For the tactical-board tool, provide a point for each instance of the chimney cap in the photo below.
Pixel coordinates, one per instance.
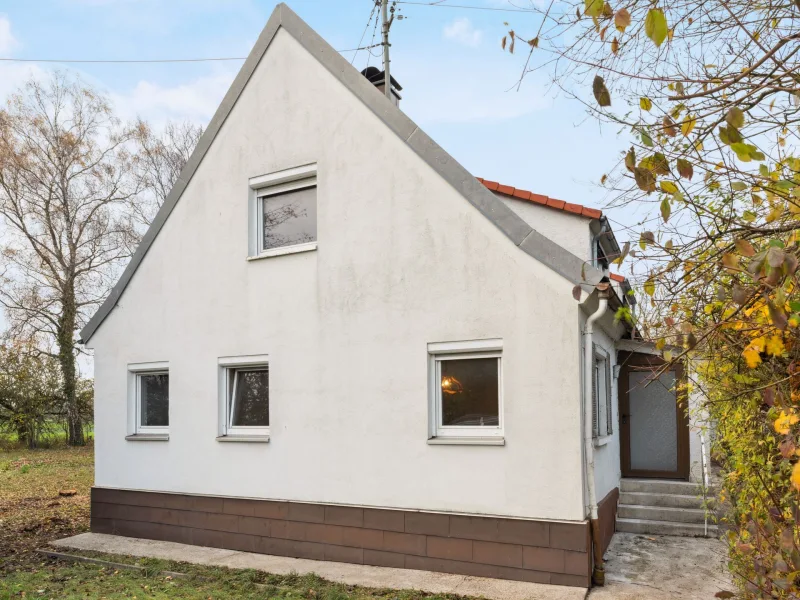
(376, 76)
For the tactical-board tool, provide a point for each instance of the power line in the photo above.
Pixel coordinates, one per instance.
(114, 61)
(438, 5)
(147, 61)
(366, 27)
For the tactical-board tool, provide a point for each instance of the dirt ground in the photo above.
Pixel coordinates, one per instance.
(44, 495)
(641, 567)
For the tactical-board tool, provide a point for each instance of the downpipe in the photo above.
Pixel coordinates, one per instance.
(598, 574)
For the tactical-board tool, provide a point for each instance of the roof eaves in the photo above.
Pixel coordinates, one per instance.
(477, 193)
(575, 209)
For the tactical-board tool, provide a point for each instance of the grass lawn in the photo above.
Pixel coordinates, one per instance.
(32, 513)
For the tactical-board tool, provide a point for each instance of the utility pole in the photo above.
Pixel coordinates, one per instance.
(386, 23)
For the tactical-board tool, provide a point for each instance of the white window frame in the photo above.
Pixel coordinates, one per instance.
(464, 350)
(272, 184)
(603, 426)
(135, 428)
(227, 369)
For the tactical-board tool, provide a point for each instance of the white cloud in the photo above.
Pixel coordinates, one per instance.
(7, 40)
(194, 100)
(462, 31)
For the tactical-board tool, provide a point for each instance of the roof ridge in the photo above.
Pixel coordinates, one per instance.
(527, 195)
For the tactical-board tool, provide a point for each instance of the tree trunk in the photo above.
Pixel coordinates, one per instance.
(66, 358)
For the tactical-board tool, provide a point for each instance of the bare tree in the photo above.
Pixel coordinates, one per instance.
(67, 176)
(161, 159)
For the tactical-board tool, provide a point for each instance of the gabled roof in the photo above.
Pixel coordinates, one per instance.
(519, 194)
(514, 227)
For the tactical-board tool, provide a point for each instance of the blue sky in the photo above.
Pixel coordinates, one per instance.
(449, 61)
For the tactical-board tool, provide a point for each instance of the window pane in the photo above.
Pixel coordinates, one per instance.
(154, 400)
(290, 218)
(470, 392)
(601, 393)
(251, 404)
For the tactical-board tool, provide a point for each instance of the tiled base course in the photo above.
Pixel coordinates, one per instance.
(607, 514)
(518, 549)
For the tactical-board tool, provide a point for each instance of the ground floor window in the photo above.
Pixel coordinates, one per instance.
(465, 393)
(601, 393)
(148, 399)
(244, 397)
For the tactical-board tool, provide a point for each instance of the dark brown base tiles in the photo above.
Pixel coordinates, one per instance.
(519, 549)
(607, 515)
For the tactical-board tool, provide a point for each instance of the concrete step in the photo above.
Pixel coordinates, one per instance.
(661, 513)
(660, 486)
(672, 500)
(665, 528)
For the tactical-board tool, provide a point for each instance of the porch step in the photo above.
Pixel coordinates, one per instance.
(662, 513)
(646, 526)
(662, 507)
(670, 500)
(660, 486)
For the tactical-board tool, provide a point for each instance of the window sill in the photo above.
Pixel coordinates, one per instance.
(467, 441)
(601, 441)
(148, 437)
(257, 439)
(297, 248)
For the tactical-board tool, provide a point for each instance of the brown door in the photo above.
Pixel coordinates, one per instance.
(654, 423)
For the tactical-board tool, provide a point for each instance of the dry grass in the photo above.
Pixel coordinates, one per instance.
(32, 510)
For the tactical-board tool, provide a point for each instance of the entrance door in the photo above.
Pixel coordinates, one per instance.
(654, 428)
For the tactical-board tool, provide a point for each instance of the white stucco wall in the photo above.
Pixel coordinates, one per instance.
(568, 230)
(607, 467)
(403, 260)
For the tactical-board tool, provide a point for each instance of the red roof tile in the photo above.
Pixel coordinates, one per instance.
(575, 209)
(505, 189)
(617, 278)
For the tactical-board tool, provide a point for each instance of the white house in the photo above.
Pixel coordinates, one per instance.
(336, 343)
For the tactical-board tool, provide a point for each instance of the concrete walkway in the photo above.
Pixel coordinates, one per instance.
(367, 576)
(642, 567)
(638, 567)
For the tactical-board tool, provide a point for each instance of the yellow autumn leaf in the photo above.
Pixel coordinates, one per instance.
(669, 187)
(645, 103)
(759, 344)
(775, 346)
(783, 424)
(688, 125)
(774, 214)
(796, 476)
(752, 357)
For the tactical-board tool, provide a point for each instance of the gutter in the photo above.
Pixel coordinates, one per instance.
(598, 575)
(605, 231)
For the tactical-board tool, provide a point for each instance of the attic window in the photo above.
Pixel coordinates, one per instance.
(283, 212)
